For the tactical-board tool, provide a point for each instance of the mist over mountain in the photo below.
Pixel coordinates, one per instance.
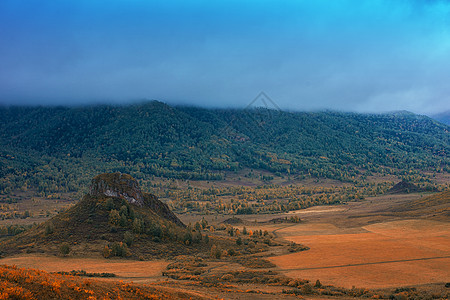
(443, 117)
(363, 56)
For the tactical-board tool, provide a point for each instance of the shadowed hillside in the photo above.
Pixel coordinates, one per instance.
(404, 187)
(114, 219)
(436, 206)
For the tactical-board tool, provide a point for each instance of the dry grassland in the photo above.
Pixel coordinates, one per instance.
(390, 254)
(127, 270)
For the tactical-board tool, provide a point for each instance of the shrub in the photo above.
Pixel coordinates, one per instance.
(187, 238)
(106, 252)
(119, 249)
(128, 238)
(123, 220)
(49, 229)
(216, 252)
(114, 217)
(138, 226)
(307, 289)
(318, 284)
(124, 210)
(64, 249)
(109, 204)
(115, 249)
(227, 277)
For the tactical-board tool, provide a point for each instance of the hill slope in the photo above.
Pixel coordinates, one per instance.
(16, 283)
(436, 206)
(60, 148)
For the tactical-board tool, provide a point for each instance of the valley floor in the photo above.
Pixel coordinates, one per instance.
(366, 244)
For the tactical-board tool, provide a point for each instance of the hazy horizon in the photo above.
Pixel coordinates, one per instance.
(346, 55)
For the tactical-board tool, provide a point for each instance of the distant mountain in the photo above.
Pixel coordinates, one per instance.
(443, 117)
(61, 148)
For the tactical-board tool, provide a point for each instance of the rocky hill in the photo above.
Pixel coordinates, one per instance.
(125, 187)
(114, 219)
(404, 187)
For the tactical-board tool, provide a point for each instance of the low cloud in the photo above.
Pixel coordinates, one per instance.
(369, 55)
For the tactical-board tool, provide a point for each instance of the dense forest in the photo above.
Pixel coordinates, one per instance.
(58, 149)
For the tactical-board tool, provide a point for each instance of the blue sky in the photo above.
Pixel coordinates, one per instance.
(351, 55)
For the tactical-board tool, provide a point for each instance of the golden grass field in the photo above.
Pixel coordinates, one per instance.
(389, 254)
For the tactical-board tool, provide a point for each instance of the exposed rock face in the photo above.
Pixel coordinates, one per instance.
(117, 185)
(126, 187)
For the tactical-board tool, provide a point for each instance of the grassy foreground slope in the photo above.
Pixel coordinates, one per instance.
(58, 149)
(17, 283)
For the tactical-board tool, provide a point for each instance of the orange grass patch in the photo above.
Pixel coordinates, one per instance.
(389, 254)
(134, 270)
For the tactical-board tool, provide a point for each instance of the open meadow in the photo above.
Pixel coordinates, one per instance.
(391, 254)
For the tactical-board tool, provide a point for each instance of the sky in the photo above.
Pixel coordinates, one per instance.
(347, 55)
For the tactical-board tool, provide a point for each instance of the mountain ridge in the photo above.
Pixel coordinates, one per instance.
(155, 139)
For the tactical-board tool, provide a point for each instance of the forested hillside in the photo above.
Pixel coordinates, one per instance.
(61, 148)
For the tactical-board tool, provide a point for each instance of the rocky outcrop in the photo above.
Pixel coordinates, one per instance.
(124, 186)
(117, 185)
